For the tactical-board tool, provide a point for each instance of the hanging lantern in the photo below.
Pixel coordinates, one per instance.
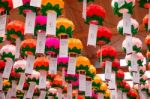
(52, 92)
(62, 63)
(134, 27)
(144, 4)
(145, 22)
(95, 14)
(104, 35)
(64, 27)
(107, 53)
(91, 72)
(75, 46)
(2, 38)
(147, 42)
(107, 94)
(6, 85)
(52, 6)
(140, 59)
(50, 77)
(14, 76)
(97, 81)
(120, 75)
(6, 6)
(71, 77)
(122, 7)
(40, 24)
(15, 29)
(8, 52)
(126, 87)
(26, 7)
(82, 63)
(103, 87)
(57, 83)
(28, 47)
(19, 66)
(41, 64)
(52, 46)
(137, 45)
(36, 93)
(2, 66)
(132, 94)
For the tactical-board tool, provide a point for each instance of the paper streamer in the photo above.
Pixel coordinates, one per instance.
(119, 94)
(82, 81)
(1, 82)
(121, 3)
(125, 95)
(7, 69)
(8, 95)
(72, 65)
(2, 95)
(31, 90)
(112, 82)
(143, 95)
(108, 70)
(113, 94)
(17, 3)
(29, 67)
(126, 23)
(69, 91)
(42, 81)
(25, 94)
(59, 94)
(84, 9)
(129, 44)
(53, 65)
(149, 19)
(136, 77)
(36, 3)
(88, 91)
(42, 95)
(3, 19)
(63, 49)
(50, 97)
(18, 42)
(40, 45)
(51, 23)
(13, 91)
(92, 36)
(100, 96)
(21, 81)
(134, 64)
(30, 23)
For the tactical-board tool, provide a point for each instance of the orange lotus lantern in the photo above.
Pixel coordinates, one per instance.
(147, 42)
(144, 3)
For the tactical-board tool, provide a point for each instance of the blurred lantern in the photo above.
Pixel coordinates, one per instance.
(120, 75)
(144, 3)
(6, 6)
(145, 22)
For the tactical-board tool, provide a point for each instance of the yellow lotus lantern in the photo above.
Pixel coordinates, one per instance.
(103, 87)
(75, 46)
(52, 6)
(107, 93)
(97, 81)
(91, 71)
(82, 63)
(64, 27)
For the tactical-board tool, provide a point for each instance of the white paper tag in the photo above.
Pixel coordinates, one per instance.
(82, 82)
(60, 94)
(3, 19)
(134, 64)
(84, 9)
(88, 91)
(7, 69)
(126, 23)
(2, 95)
(121, 3)
(112, 82)
(40, 45)
(69, 91)
(72, 65)
(136, 77)
(92, 35)
(13, 91)
(31, 90)
(29, 67)
(53, 65)
(63, 49)
(143, 95)
(36, 3)
(108, 70)
(51, 23)
(42, 80)
(21, 81)
(113, 94)
(129, 44)
(149, 19)
(119, 94)
(1, 83)
(100, 96)
(30, 23)
(18, 42)
(63, 76)
(125, 95)
(8, 95)
(42, 95)
(17, 3)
